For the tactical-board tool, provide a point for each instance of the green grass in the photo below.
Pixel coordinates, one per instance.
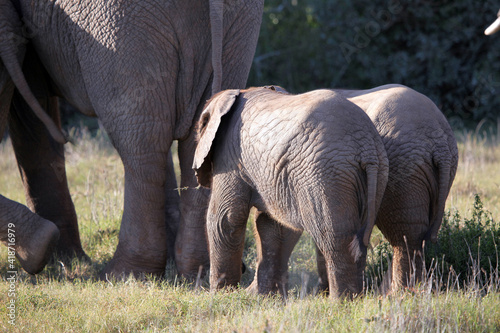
(70, 299)
(130, 306)
(478, 173)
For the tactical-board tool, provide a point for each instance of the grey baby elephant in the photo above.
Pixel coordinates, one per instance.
(311, 162)
(423, 158)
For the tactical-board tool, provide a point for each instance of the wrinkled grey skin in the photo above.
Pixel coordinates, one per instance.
(310, 162)
(27, 235)
(423, 159)
(145, 69)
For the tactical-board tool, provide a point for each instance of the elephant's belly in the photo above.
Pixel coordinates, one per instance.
(82, 105)
(55, 41)
(284, 214)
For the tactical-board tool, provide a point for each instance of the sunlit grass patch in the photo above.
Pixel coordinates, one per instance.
(478, 173)
(69, 298)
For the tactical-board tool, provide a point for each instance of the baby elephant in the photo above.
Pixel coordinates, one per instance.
(311, 162)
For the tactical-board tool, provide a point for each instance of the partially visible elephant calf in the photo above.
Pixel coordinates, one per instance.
(423, 158)
(311, 162)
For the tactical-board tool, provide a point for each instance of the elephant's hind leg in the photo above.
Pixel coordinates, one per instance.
(275, 243)
(406, 235)
(407, 262)
(143, 142)
(344, 272)
(343, 259)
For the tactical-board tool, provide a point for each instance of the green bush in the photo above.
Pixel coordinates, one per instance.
(467, 246)
(467, 250)
(434, 46)
(377, 264)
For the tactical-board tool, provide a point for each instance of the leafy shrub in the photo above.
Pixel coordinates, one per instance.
(377, 264)
(467, 248)
(434, 46)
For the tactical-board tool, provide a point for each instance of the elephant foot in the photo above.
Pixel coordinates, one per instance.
(66, 255)
(267, 288)
(253, 288)
(121, 267)
(188, 262)
(69, 246)
(34, 255)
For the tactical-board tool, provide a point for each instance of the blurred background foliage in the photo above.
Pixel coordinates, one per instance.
(437, 47)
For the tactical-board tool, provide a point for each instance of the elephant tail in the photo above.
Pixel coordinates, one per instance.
(373, 182)
(216, 30)
(10, 39)
(19, 80)
(375, 178)
(444, 185)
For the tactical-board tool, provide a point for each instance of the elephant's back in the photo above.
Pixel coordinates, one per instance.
(399, 110)
(311, 125)
(302, 149)
(411, 126)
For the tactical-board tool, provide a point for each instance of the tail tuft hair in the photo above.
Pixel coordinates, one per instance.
(357, 247)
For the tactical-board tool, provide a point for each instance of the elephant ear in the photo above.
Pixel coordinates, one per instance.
(210, 120)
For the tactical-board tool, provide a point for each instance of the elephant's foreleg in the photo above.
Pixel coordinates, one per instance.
(275, 244)
(43, 171)
(26, 234)
(226, 225)
(191, 248)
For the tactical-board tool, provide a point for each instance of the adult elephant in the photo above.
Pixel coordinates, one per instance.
(145, 69)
